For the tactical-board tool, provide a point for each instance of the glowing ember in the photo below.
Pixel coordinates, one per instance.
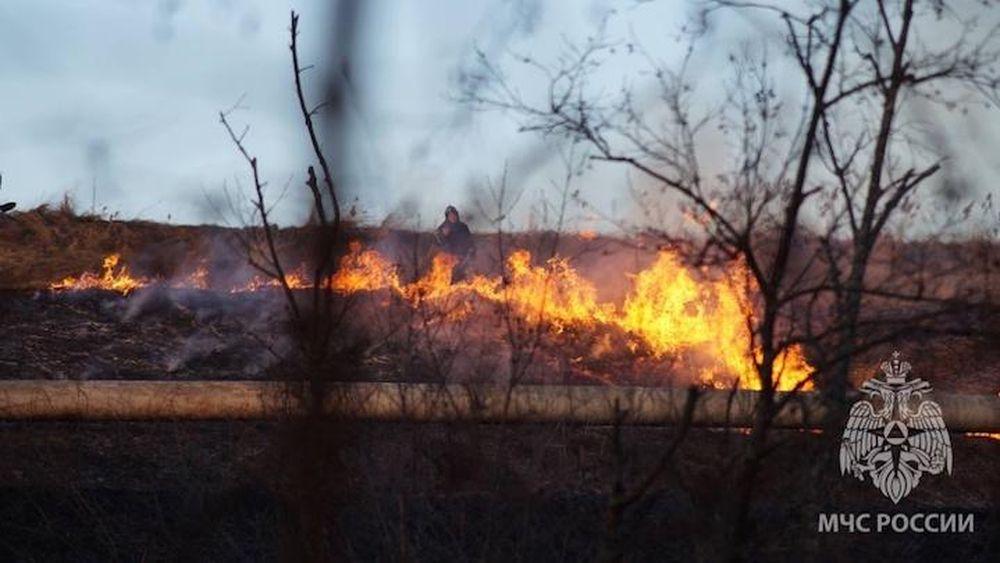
(295, 280)
(111, 278)
(197, 279)
(991, 436)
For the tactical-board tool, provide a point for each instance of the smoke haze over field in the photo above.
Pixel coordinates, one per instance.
(115, 103)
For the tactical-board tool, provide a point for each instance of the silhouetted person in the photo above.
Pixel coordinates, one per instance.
(455, 238)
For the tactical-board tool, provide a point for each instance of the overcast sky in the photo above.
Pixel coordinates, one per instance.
(120, 99)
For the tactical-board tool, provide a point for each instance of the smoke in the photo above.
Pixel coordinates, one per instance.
(494, 34)
(103, 187)
(163, 23)
(245, 326)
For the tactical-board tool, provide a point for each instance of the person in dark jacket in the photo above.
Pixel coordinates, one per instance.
(455, 238)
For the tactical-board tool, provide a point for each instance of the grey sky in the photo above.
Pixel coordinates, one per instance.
(124, 95)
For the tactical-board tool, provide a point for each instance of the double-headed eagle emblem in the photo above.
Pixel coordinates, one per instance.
(890, 441)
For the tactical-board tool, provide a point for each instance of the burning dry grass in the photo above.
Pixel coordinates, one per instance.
(111, 278)
(671, 312)
(46, 244)
(596, 320)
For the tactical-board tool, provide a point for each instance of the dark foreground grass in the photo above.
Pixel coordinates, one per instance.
(219, 491)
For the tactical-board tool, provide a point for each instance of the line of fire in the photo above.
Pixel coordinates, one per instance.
(704, 280)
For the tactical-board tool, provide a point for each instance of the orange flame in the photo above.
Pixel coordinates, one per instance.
(111, 278)
(672, 312)
(435, 284)
(668, 310)
(364, 271)
(554, 293)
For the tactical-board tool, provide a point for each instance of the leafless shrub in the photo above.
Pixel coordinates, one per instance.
(316, 320)
(859, 168)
